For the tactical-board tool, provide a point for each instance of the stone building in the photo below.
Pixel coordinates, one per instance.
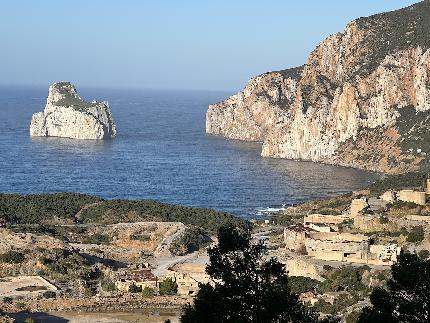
(323, 223)
(124, 278)
(354, 248)
(188, 276)
(337, 246)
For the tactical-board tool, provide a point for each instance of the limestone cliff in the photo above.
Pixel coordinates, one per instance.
(360, 100)
(67, 115)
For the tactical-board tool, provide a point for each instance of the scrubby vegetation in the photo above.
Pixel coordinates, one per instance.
(42, 208)
(399, 181)
(108, 285)
(134, 288)
(97, 238)
(148, 292)
(347, 278)
(393, 31)
(12, 257)
(300, 284)
(406, 297)
(49, 294)
(168, 287)
(41, 212)
(192, 240)
(416, 234)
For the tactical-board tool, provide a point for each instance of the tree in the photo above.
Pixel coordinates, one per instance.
(134, 288)
(168, 287)
(407, 297)
(247, 287)
(49, 294)
(416, 234)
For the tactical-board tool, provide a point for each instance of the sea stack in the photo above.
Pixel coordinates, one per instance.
(67, 115)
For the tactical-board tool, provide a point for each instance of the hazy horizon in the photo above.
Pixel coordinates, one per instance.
(190, 45)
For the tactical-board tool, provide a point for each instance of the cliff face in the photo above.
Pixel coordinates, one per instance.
(357, 101)
(67, 115)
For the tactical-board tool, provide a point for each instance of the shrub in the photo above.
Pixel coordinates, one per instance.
(148, 292)
(7, 300)
(416, 234)
(49, 294)
(97, 238)
(403, 231)
(299, 284)
(327, 267)
(168, 287)
(134, 289)
(107, 285)
(20, 305)
(352, 317)
(302, 250)
(12, 257)
(383, 220)
(424, 254)
(346, 278)
(192, 240)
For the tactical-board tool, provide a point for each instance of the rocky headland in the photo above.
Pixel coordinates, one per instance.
(362, 99)
(67, 115)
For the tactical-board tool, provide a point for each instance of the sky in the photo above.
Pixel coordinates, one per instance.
(187, 44)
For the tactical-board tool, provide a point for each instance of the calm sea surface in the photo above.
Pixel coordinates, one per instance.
(161, 152)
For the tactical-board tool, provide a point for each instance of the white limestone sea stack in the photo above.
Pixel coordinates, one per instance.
(67, 115)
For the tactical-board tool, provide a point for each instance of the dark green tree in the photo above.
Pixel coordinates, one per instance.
(134, 288)
(168, 287)
(407, 297)
(247, 287)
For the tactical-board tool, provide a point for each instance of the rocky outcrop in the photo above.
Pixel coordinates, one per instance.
(357, 101)
(67, 115)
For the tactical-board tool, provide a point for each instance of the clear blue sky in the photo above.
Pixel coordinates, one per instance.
(188, 44)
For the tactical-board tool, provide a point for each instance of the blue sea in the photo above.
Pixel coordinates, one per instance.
(161, 152)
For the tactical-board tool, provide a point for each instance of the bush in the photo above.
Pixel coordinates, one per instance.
(168, 287)
(107, 285)
(299, 284)
(148, 292)
(134, 289)
(192, 240)
(424, 254)
(352, 317)
(7, 300)
(20, 306)
(383, 220)
(12, 257)
(97, 238)
(49, 294)
(416, 234)
(347, 278)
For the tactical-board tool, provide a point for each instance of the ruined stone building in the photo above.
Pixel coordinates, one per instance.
(124, 278)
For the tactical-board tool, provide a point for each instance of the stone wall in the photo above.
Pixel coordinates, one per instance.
(358, 205)
(301, 267)
(412, 196)
(294, 238)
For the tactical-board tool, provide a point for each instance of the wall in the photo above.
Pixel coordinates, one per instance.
(412, 196)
